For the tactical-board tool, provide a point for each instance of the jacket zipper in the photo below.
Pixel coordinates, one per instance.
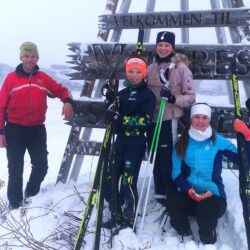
(30, 90)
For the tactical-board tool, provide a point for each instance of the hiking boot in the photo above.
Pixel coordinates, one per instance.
(161, 201)
(126, 222)
(111, 223)
(13, 206)
(186, 237)
(208, 238)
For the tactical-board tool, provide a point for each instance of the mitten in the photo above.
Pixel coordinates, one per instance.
(166, 94)
(241, 127)
(108, 92)
(112, 116)
(198, 197)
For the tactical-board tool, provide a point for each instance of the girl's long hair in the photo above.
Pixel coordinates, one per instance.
(182, 143)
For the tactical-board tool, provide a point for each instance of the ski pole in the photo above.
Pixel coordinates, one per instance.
(148, 164)
(152, 164)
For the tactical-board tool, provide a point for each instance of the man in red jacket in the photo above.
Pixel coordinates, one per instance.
(23, 104)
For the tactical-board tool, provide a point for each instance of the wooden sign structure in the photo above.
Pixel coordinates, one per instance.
(101, 60)
(177, 19)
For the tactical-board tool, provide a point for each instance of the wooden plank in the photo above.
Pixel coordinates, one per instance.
(177, 19)
(89, 148)
(207, 61)
(91, 114)
(93, 148)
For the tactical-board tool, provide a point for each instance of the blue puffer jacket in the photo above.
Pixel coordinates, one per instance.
(203, 165)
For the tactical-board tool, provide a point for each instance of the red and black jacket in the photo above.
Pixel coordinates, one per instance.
(23, 97)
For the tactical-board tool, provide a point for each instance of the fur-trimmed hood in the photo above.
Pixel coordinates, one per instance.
(179, 57)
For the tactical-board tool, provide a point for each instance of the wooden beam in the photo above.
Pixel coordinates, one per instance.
(177, 19)
(92, 114)
(101, 60)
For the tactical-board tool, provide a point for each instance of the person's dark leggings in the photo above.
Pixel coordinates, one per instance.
(126, 166)
(207, 213)
(19, 138)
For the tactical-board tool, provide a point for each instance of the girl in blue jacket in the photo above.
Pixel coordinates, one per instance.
(197, 167)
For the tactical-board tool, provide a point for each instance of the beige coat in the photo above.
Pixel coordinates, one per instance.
(180, 83)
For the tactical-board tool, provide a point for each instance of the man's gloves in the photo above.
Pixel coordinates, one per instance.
(198, 197)
(166, 94)
(241, 127)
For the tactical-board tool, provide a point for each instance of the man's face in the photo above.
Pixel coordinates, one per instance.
(29, 62)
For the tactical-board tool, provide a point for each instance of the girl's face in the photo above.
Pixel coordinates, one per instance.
(163, 49)
(200, 122)
(135, 75)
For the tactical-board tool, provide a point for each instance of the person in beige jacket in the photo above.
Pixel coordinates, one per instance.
(170, 78)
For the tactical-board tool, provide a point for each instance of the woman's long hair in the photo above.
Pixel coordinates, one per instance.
(182, 143)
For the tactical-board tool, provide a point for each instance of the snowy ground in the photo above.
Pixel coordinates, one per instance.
(44, 220)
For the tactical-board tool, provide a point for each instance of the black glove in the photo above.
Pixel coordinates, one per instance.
(166, 94)
(112, 116)
(108, 93)
(248, 104)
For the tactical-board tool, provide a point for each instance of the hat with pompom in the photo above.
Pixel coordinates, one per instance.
(28, 48)
(166, 36)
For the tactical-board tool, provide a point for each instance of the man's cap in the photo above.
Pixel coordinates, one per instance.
(28, 48)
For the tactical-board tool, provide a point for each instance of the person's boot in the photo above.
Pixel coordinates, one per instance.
(13, 206)
(114, 221)
(186, 236)
(208, 237)
(111, 223)
(127, 222)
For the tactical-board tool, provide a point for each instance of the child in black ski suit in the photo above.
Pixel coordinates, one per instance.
(134, 111)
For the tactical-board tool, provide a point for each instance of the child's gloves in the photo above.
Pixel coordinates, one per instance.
(166, 94)
(198, 197)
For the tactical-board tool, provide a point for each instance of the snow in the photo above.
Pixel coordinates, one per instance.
(45, 218)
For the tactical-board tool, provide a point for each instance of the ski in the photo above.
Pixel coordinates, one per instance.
(244, 171)
(95, 185)
(103, 176)
(100, 174)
